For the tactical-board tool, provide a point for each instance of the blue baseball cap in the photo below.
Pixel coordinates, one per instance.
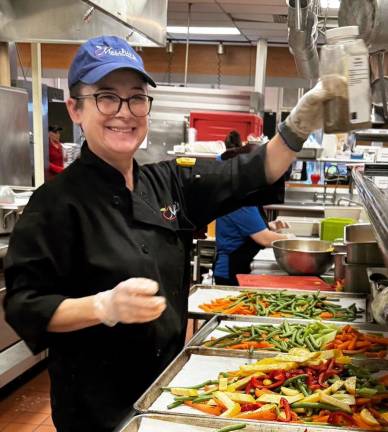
(102, 55)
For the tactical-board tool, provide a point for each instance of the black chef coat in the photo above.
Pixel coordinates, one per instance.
(84, 232)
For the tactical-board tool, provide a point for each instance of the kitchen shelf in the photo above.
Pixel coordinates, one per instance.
(374, 197)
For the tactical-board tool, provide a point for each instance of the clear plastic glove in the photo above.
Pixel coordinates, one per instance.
(290, 236)
(131, 301)
(278, 224)
(7, 195)
(307, 116)
(379, 307)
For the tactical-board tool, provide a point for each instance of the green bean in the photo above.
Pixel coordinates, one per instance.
(216, 341)
(273, 333)
(202, 398)
(205, 383)
(294, 379)
(233, 342)
(309, 345)
(183, 398)
(302, 387)
(313, 342)
(314, 405)
(293, 337)
(299, 337)
(232, 427)
(174, 404)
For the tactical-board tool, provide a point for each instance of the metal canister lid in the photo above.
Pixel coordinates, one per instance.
(342, 33)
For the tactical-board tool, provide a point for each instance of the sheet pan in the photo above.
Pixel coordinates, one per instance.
(206, 293)
(174, 423)
(209, 329)
(196, 365)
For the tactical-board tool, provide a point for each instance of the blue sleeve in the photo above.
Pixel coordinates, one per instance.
(248, 220)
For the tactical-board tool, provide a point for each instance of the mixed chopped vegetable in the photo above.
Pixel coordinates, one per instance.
(314, 336)
(301, 386)
(281, 304)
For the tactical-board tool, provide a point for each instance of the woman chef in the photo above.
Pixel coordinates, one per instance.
(98, 265)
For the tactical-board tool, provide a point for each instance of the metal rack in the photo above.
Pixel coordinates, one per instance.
(375, 201)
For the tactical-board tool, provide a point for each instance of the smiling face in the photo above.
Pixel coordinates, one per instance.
(114, 138)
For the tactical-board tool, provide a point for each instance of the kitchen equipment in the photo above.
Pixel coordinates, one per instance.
(298, 171)
(361, 245)
(195, 365)
(345, 56)
(216, 125)
(303, 257)
(7, 336)
(207, 331)
(378, 279)
(4, 240)
(339, 268)
(333, 228)
(348, 212)
(8, 218)
(301, 226)
(371, 18)
(312, 283)
(200, 294)
(190, 423)
(356, 278)
(11, 210)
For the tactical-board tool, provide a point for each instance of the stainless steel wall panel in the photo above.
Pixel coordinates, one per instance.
(15, 158)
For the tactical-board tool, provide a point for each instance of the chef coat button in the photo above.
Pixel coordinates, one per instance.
(116, 200)
(144, 248)
(158, 352)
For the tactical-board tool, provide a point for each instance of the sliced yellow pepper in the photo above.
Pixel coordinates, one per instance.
(368, 418)
(232, 408)
(181, 391)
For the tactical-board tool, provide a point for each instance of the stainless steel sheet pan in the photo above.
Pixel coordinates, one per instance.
(198, 293)
(186, 424)
(145, 403)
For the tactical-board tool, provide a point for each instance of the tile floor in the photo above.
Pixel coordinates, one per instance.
(27, 408)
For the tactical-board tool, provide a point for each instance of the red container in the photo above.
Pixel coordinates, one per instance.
(216, 125)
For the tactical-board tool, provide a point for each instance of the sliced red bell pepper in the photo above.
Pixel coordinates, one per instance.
(287, 410)
(251, 406)
(339, 418)
(248, 387)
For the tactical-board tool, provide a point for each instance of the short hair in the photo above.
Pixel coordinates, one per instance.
(233, 140)
(76, 90)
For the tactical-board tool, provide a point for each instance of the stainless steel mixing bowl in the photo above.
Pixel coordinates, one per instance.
(303, 257)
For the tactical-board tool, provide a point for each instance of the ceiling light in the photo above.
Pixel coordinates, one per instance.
(170, 47)
(332, 4)
(204, 30)
(220, 49)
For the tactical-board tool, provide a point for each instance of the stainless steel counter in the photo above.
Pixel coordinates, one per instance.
(3, 250)
(15, 357)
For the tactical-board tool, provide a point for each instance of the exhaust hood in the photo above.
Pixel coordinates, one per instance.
(140, 22)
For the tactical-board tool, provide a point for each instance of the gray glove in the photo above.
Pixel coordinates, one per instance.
(307, 116)
(131, 301)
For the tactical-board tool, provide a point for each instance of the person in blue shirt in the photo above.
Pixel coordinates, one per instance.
(241, 234)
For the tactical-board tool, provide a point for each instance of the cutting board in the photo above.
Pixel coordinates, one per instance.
(312, 283)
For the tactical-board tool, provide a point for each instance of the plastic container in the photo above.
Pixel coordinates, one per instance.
(333, 228)
(346, 58)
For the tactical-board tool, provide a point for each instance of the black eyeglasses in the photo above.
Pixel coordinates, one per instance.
(110, 103)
